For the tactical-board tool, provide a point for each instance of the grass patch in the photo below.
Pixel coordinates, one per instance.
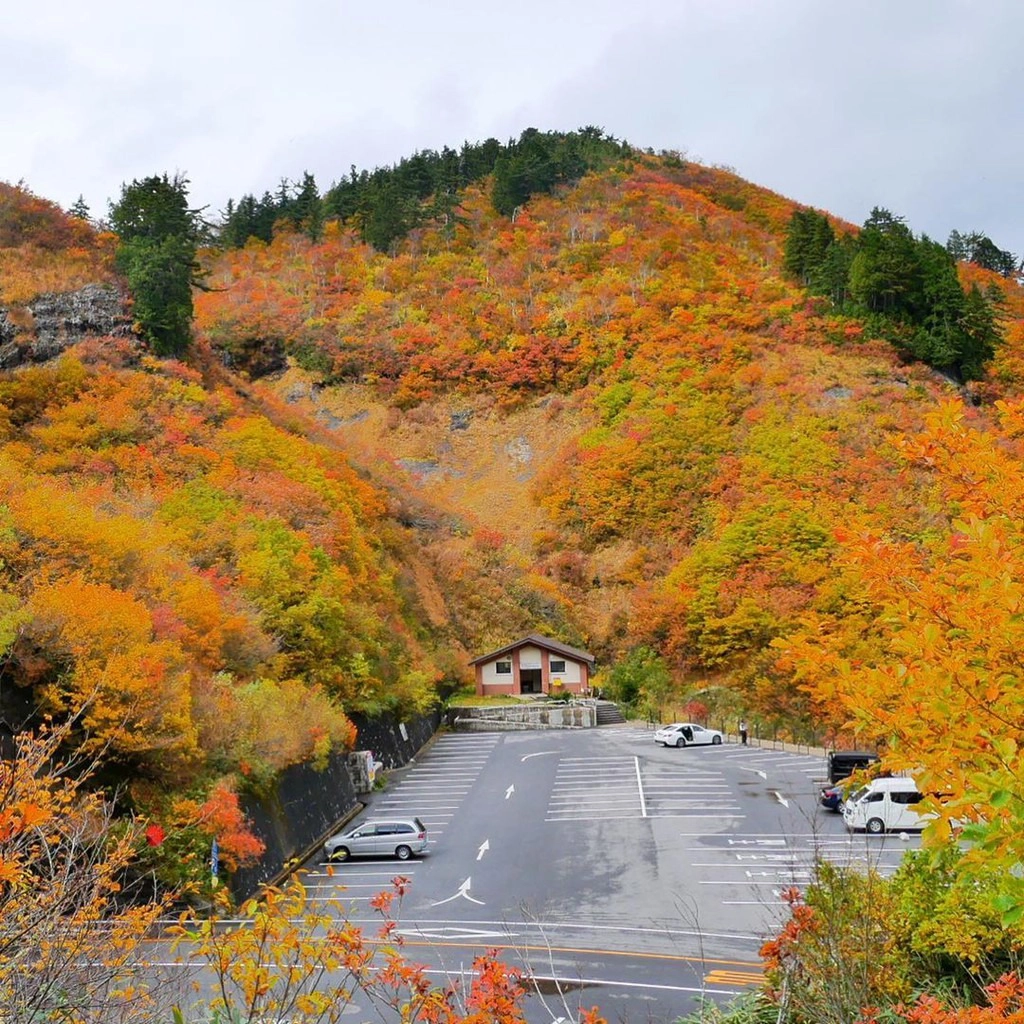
(472, 700)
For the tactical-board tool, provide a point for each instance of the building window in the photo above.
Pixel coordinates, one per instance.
(503, 668)
(557, 666)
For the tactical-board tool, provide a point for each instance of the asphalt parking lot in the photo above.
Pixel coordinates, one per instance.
(640, 876)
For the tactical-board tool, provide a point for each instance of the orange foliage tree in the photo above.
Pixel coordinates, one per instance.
(288, 957)
(72, 934)
(931, 668)
(200, 591)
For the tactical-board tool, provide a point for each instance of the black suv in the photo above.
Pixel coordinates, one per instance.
(842, 763)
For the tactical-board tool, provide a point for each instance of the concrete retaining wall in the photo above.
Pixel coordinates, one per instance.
(308, 805)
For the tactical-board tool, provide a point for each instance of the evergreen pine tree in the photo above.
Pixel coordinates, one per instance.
(307, 213)
(981, 333)
(79, 208)
(938, 338)
(157, 254)
(885, 275)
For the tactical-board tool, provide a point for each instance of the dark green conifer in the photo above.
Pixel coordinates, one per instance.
(159, 233)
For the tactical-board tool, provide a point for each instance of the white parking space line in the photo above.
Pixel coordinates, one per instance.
(340, 883)
(591, 779)
(587, 771)
(384, 877)
(753, 859)
(761, 760)
(748, 881)
(593, 817)
(575, 800)
(694, 805)
(435, 786)
(438, 793)
(715, 815)
(443, 790)
(765, 849)
(344, 898)
(427, 813)
(441, 800)
(575, 797)
(593, 807)
(710, 788)
(417, 800)
(439, 758)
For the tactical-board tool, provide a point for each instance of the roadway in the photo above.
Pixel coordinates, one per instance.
(612, 871)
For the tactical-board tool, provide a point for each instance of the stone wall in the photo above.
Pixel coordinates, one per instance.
(553, 715)
(306, 805)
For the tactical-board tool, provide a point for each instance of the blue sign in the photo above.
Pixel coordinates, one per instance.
(214, 858)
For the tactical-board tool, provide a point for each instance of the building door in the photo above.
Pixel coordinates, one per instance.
(529, 680)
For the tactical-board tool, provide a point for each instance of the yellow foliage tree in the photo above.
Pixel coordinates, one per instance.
(132, 690)
(935, 672)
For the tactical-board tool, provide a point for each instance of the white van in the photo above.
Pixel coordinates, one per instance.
(885, 804)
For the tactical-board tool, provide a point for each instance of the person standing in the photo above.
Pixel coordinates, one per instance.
(743, 732)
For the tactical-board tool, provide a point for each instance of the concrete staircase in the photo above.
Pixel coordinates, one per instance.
(608, 713)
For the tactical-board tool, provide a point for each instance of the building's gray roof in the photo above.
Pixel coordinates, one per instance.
(537, 640)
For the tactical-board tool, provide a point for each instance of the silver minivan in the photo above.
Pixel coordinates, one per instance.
(395, 837)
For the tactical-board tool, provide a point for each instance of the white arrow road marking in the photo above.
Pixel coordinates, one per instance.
(757, 842)
(509, 791)
(539, 753)
(756, 771)
(782, 800)
(484, 847)
(463, 891)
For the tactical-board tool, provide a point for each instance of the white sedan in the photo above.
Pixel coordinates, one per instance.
(683, 734)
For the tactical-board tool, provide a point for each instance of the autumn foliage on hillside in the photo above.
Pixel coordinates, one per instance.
(206, 592)
(804, 525)
(748, 503)
(43, 250)
(730, 421)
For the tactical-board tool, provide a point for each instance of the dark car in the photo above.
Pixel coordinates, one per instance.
(842, 763)
(832, 798)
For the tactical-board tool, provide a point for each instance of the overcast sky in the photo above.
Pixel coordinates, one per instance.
(910, 104)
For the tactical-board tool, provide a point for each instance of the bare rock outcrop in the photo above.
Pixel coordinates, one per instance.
(62, 320)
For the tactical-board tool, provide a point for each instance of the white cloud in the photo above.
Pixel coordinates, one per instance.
(843, 106)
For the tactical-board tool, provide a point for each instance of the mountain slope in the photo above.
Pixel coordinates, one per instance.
(204, 593)
(631, 426)
(610, 417)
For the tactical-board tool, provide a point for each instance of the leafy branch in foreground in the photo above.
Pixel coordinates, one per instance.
(71, 933)
(285, 956)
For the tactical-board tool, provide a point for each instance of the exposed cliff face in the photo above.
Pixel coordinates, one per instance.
(6, 330)
(62, 320)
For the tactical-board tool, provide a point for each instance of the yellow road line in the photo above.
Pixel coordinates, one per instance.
(574, 949)
(733, 978)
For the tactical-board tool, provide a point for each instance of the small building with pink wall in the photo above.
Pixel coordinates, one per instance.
(534, 664)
